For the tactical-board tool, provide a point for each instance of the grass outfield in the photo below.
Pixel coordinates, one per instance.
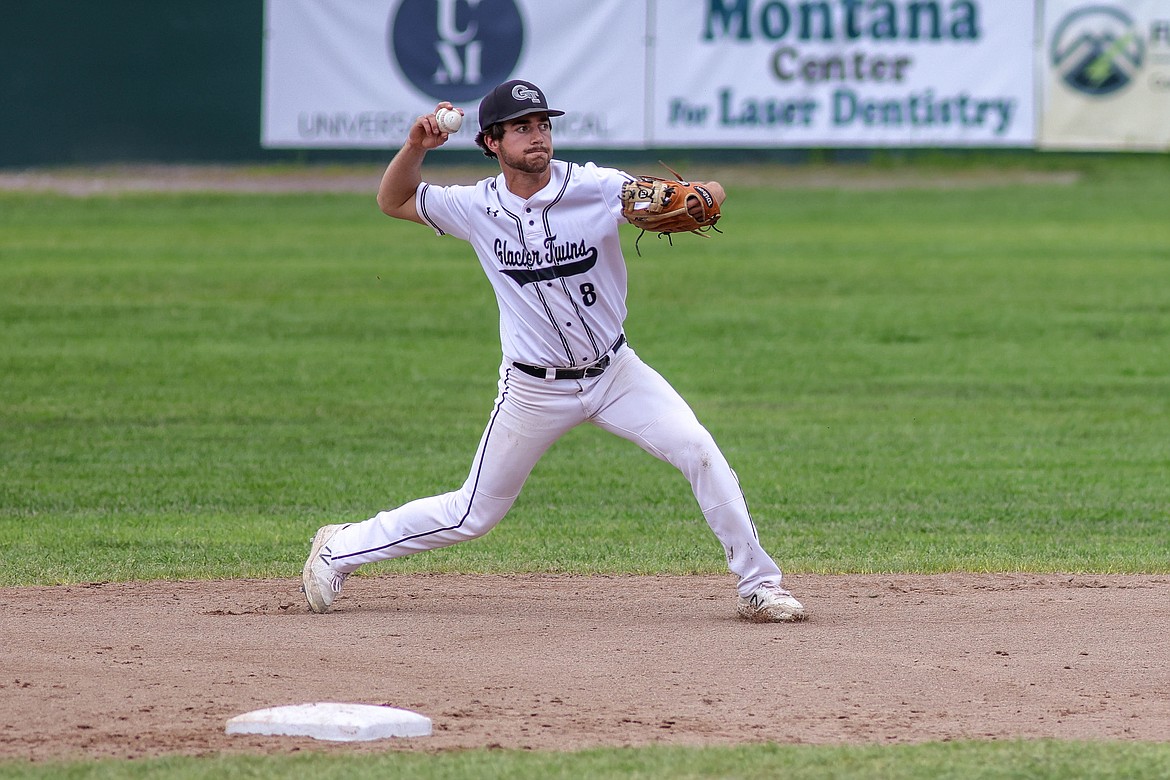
(1034, 760)
(914, 380)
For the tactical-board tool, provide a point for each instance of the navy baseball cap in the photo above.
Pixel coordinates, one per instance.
(511, 100)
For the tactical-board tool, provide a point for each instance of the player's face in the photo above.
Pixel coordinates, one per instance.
(527, 143)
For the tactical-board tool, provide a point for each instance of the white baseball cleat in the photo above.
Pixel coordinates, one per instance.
(770, 603)
(320, 582)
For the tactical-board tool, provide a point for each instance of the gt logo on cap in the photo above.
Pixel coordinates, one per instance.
(511, 100)
(520, 92)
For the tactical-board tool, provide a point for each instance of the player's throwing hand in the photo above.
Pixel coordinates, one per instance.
(426, 131)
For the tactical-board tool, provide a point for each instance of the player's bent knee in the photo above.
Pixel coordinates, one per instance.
(698, 457)
(474, 527)
(483, 515)
(694, 450)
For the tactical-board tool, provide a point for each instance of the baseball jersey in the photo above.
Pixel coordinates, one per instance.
(554, 260)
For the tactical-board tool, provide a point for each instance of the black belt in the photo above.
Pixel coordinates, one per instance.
(573, 373)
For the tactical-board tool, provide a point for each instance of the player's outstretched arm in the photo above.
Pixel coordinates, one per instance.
(404, 174)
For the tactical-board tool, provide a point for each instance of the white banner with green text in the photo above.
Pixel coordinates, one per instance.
(659, 73)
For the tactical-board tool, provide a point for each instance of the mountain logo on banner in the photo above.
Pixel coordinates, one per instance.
(1097, 50)
(456, 49)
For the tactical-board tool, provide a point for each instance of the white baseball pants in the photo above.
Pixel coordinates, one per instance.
(629, 399)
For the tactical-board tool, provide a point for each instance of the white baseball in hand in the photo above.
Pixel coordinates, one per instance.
(449, 120)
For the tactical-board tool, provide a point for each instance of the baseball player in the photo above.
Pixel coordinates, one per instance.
(546, 234)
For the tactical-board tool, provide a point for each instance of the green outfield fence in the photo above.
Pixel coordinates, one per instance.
(129, 80)
(165, 81)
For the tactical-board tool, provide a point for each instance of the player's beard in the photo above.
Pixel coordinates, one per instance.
(528, 161)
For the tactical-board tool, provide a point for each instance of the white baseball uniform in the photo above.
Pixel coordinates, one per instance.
(556, 265)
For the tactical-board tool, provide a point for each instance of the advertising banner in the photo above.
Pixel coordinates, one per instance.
(652, 73)
(846, 73)
(355, 74)
(1105, 80)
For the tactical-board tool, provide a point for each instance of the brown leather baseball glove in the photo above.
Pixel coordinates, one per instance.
(666, 206)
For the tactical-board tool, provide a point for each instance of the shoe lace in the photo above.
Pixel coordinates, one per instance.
(336, 580)
(775, 589)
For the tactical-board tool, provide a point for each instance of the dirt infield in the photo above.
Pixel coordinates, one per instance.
(558, 662)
